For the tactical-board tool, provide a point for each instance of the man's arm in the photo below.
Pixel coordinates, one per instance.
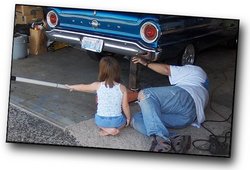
(163, 69)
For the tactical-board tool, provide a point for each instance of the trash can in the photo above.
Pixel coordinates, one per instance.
(20, 46)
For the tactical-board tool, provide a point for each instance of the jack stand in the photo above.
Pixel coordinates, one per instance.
(133, 76)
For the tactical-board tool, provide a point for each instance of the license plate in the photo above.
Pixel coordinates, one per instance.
(92, 44)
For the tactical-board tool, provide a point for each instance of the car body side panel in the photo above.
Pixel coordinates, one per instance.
(179, 31)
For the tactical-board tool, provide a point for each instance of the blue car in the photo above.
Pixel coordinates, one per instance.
(163, 37)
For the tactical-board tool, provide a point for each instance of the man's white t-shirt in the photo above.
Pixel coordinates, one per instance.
(191, 78)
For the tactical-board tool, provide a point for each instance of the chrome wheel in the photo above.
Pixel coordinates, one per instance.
(188, 56)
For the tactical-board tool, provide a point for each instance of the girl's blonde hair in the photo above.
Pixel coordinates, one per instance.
(109, 71)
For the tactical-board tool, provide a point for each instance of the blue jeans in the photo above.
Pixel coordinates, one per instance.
(162, 108)
(110, 122)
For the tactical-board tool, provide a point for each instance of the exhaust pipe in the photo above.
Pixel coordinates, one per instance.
(38, 82)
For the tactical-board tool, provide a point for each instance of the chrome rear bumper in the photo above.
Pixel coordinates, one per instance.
(113, 45)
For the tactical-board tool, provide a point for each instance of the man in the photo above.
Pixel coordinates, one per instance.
(176, 106)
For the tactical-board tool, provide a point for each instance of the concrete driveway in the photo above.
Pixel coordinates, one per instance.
(74, 111)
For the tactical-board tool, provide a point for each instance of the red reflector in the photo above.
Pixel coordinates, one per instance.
(150, 32)
(53, 18)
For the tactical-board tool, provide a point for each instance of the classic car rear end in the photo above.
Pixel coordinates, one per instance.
(101, 31)
(163, 36)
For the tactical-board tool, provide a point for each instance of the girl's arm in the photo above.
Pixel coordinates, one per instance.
(84, 87)
(125, 105)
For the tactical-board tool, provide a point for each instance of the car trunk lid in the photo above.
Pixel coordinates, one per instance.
(101, 22)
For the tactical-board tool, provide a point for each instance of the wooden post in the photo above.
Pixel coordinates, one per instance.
(133, 75)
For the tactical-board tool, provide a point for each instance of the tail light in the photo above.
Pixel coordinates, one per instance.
(149, 32)
(52, 19)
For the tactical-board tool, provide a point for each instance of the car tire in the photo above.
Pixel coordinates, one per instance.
(188, 55)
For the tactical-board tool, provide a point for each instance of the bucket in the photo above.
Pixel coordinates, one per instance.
(20, 46)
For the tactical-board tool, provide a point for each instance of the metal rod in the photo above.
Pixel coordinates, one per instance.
(38, 82)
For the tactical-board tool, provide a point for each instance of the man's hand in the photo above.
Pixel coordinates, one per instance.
(163, 69)
(140, 60)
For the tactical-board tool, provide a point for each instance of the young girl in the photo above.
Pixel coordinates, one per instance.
(111, 98)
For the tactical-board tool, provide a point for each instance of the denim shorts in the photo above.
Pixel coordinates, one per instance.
(110, 122)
